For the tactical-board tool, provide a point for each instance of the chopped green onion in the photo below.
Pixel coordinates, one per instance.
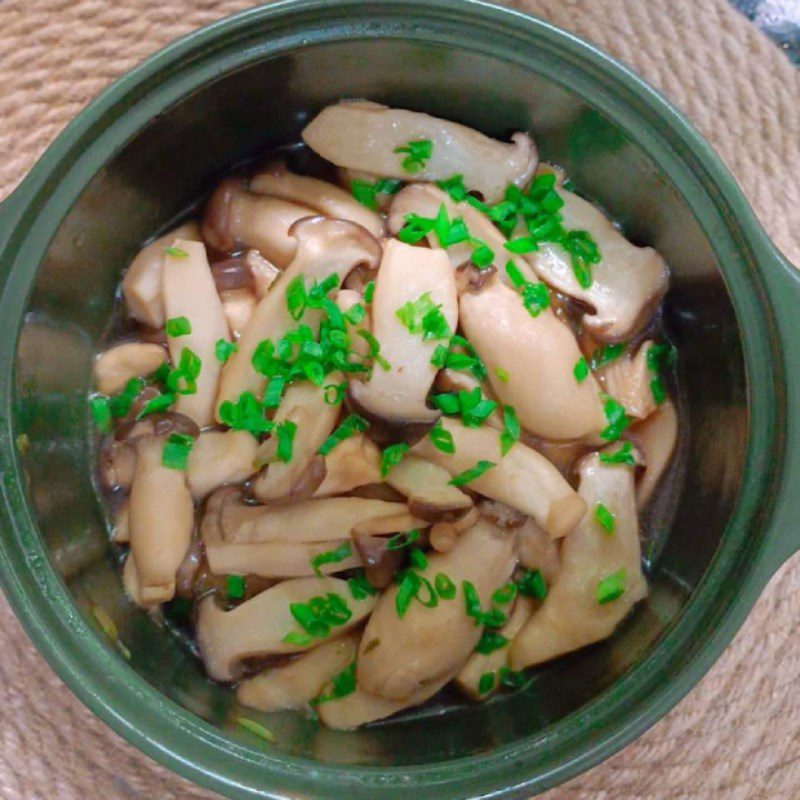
(334, 393)
(525, 244)
(350, 426)
(235, 587)
(604, 518)
(491, 641)
(298, 639)
(403, 539)
(120, 404)
(532, 584)
(658, 390)
(535, 297)
(445, 587)
(342, 685)
(442, 439)
(246, 414)
(417, 153)
(502, 375)
(101, 413)
(274, 391)
(369, 292)
(418, 559)
(374, 349)
(365, 192)
(160, 403)
(178, 326)
(392, 456)
(296, 298)
(176, 252)
(472, 602)
(408, 587)
(454, 187)
(483, 255)
(224, 349)
(256, 729)
(617, 419)
(439, 357)
(605, 355)
(611, 588)
(360, 587)
(448, 402)
(330, 557)
(355, 313)
(473, 473)
(515, 275)
(175, 454)
(486, 682)
(285, 432)
(505, 594)
(581, 370)
(510, 679)
(622, 456)
(511, 430)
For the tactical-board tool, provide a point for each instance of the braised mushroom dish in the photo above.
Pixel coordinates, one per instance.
(386, 424)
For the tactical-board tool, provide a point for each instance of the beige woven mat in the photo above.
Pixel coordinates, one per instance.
(737, 736)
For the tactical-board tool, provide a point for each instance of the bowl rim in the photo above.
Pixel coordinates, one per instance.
(179, 739)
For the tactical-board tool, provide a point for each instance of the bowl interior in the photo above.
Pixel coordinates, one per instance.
(175, 158)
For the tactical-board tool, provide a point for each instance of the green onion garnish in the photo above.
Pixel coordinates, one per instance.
(246, 414)
(334, 393)
(331, 557)
(418, 559)
(532, 584)
(342, 685)
(296, 298)
(502, 375)
(285, 432)
(442, 439)
(178, 326)
(472, 601)
(360, 587)
(176, 252)
(617, 419)
(369, 292)
(486, 682)
(175, 454)
(350, 426)
(473, 473)
(505, 594)
(366, 192)
(417, 153)
(392, 456)
(101, 413)
(235, 587)
(525, 244)
(445, 587)
(403, 539)
(491, 641)
(511, 430)
(256, 729)
(161, 402)
(606, 354)
(604, 518)
(622, 456)
(611, 587)
(581, 370)
(224, 349)
(483, 255)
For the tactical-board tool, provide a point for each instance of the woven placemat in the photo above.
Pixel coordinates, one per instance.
(737, 735)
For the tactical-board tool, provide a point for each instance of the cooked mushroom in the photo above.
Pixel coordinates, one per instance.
(540, 354)
(381, 563)
(354, 462)
(117, 365)
(189, 292)
(428, 489)
(122, 524)
(398, 656)
(258, 627)
(443, 535)
(479, 664)
(536, 550)
(141, 286)
(227, 519)
(393, 400)
(426, 200)
(219, 458)
(323, 197)
(523, 479)
(359, 708)
(346, 299)
(627, 379)
(627, 283)
(303, 405)
(293, 686)
(276, 559)
(502, 515)
(264, 272)
(238, 306)
(236, 219)
(365, 136)
(116, 463)
(161, 521)
(656, 437)
(575, 613)
(324, 247)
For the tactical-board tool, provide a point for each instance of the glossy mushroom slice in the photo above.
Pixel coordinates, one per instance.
(260, 626)
(325, 198)
(303, 405)
(537, 550)
(238, 306)
(228, 519)
(161, 521)
(189, 292)
(294, 685)
(324, 247)
(600, 578)
(117, 365)
(365, 136)
(627, 283)
(627, 379)
(539, 354)
(426, 200)
(359, 708)
(235, 219)
(428, 489)
(393, 400)
(400, 655)
(354, 462)
(141, 285)
(656, 438)
(522, 479)
(219, 458)
(469, 678)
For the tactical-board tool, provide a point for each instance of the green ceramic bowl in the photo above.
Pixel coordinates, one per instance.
(153, 143)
